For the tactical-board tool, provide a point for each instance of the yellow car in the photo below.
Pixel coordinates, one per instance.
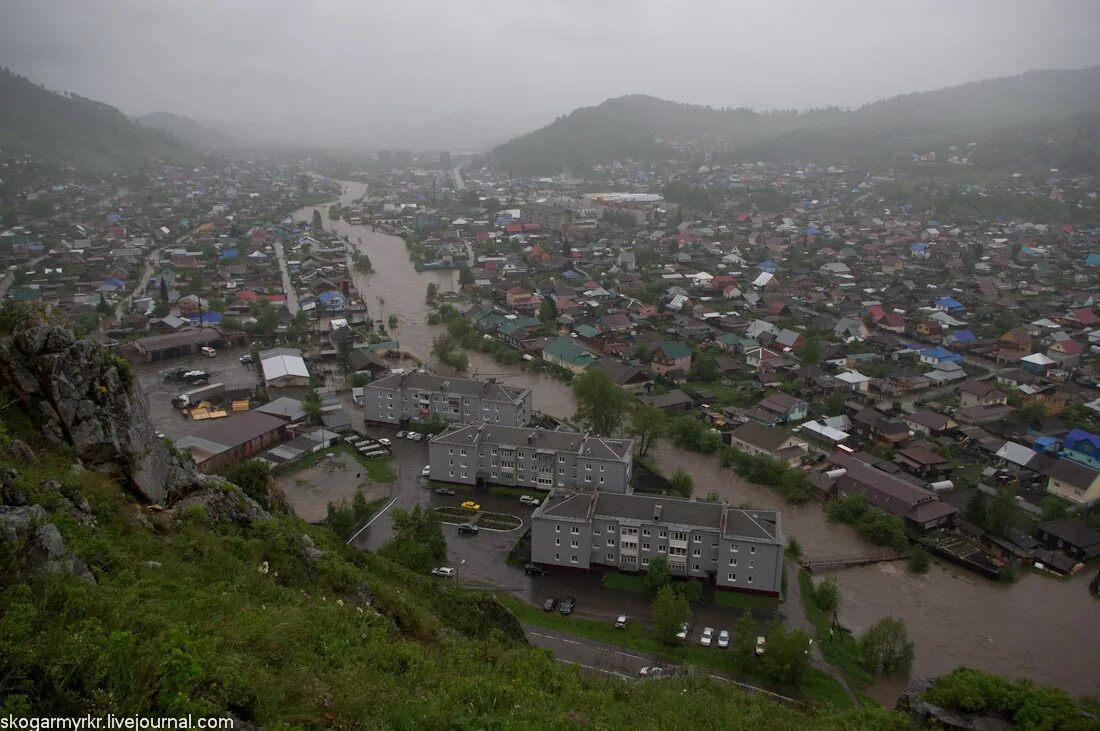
(471, 505)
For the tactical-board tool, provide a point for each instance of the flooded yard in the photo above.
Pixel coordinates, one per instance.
(336, 476)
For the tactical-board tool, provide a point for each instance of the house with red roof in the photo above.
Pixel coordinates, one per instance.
(893, 322)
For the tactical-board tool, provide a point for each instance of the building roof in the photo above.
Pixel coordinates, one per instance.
(981, 389)
(674, 349)
(582, 445)
(288, 408)
(1072, 473)
(1075, 532)
(281, 362)
(232, 431)
(484, 390)
(620, 373)
(674, 511)
(768, 438)
(886, 491)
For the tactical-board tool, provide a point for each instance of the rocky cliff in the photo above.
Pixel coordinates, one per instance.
(87, 399)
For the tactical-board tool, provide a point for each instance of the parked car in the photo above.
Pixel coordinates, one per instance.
(760, 641)
(530, 500)
(651, 672)
(444, 571)
(685, 630)
(467, 528)
(417, 436)
(385, 441)
(401, 434)
(471, 505)
(444, 491)
(549, 604)
(533, 569)
(724, 639)
(246, 359)
(161, 435)
(567, 604)
(707, 637)
(414, 435)
(427, 471)
(208, 351)
(620, 621)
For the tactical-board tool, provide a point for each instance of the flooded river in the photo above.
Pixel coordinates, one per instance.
(1040, 627)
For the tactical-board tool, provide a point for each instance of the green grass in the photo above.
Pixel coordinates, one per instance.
(817, 687)
(744, 601)
(505, 491)
(625, 582)
(378, 469)
(839, 648)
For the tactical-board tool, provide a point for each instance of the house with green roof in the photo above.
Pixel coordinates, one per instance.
(567, 354)
(671, 355)
(734, 343)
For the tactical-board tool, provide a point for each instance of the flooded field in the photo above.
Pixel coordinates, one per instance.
(331, 480)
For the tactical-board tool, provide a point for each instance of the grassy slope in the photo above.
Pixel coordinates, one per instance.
(204, 630)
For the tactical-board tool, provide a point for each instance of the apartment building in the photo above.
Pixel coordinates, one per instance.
(531, 457)
(739, 550)
(402, 398)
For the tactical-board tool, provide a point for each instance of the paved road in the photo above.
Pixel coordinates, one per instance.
(622, 662)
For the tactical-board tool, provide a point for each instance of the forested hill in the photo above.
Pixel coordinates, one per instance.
(79, 131)
(188, 131)
(645, 128)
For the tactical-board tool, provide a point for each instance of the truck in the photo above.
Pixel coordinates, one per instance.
(187, 399)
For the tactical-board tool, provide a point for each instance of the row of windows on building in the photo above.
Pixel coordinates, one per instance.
(573, 558)
(646, 532)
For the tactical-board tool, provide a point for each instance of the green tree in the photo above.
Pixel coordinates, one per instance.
(647, 424)
(311, 405)
(316, 224)
(882, 528)
(834, 403)
(704, 367)
(827, 594)
(809, 352)
(1054, 508)
(548, 311)
(102, 307)
(976, 508)
(163, 289)
(418, 543)
(303, 185)
(918, 560)
(1000, 511)
(432, 293)
(254, 478)
(668, 612)
(886, 648)
(744, 640)
(682, 482)
(1033, 411)
(334, 212)
(391, 322)
(787, 654)
(601, 405)
(161, 308)
(465, 276)
(267, 319)
(658, 574)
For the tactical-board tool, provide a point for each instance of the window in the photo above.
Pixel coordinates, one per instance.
(660, 549)
(572, 544)
(750, 578)
(696, 552)
(596, 532)
(752, 549)
(601, 468)
(574, 530)
(645, 532)
(462, 453)
(610, 557)
(561, 459)
(733, 548)
(588, 466)
(664, 534)
(698, 539)
(557, 557)
(645, 546)
(733, 562)
(611, 529)
(557, 529)
(601, 480)
(572, 559)
(588, 478)
(733, 577)
(611, 541)
(695, 567)
(752, 564)
(557, 541)
(645, 562)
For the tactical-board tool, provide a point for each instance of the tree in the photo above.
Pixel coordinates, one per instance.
(658, 575)
(648, 423)
(1033, 411)
(303, 185)
(267, 319)
(39, 208)
(882, 528)
(465, 276)
(311, 405)
(391, 322)
(834, 403)
(1000, 511)
(418, 543)
(786, 656)
(253, 477)
(744, 639)
(432, 292)
(682, 482)
(809, 352)
(601, 405)
(334, 212)
(161, 308)
(102, 307)
(1054, 508)
(918, 560)
(316, 224)
(975, 508)
(704, 367)
(163, 289)
(886, 648)
(827, 594)
(548, 311)
(668, 612)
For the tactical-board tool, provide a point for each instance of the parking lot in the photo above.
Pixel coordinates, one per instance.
(226, 368)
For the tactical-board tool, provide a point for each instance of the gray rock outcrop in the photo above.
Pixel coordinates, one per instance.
(86, 398)
(223, 501)
(25, 532)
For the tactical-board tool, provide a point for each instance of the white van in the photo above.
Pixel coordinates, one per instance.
(208, 351)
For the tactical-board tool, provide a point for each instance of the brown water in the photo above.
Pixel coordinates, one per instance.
(402, 288)
(1041, 627)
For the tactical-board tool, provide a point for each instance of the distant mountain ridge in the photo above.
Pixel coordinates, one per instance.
(189, 131)
(79, 131)
(649, 129)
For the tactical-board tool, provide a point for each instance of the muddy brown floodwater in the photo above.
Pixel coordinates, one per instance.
(1040, 627)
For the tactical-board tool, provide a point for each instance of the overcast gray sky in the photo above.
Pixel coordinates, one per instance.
(347, 70)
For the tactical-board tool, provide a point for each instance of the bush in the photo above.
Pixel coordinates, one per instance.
(883, 529)
(886, 648)
(682, 482)
(918, 560)
(827, 595)
(846, 509)
(253, 477)
(1028, 706)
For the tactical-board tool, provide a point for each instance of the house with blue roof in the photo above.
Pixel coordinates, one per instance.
(949, 304)
(918, 251)
(961, 339)
(936, 356)
(208, 318)
(333, 301)
(229, 253)
(768, 266)
(1093, 260)
(1082, 446)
